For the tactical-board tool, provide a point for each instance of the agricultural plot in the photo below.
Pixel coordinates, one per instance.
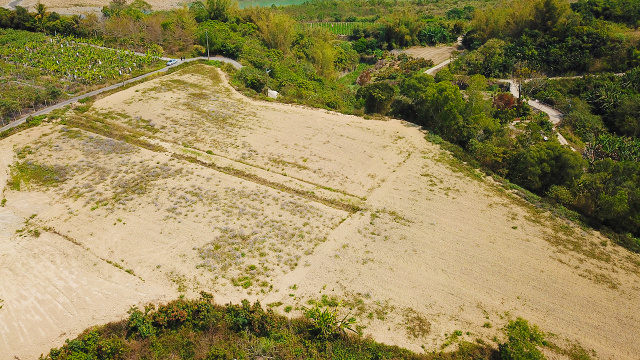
(36, 69)
(338, 28)
(68, 59)
(181, 185)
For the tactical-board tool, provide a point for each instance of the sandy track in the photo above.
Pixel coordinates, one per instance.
(431, 241)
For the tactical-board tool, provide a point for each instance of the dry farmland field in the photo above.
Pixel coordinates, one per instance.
(437, 54)
(181, 185)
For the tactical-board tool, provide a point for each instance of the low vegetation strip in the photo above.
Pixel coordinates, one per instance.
(351, 208)
(200, 329)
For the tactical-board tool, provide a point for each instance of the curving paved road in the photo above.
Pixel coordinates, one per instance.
(436, 68)
(59, 105)
(12, 5)
(555, 116)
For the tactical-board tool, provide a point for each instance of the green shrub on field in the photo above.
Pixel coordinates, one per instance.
(523, 342)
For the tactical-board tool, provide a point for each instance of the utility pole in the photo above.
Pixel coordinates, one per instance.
(121, 74)
(267, 84)
(207, 32)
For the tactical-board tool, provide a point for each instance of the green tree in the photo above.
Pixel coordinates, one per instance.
(545, 164)
(199, 11)
(582, 121)
(442, 107)
(548, 15)
(277, 30)
(625, 118)
(220, 9)
(377, 97)
(22, 20)
(489, 60)
(610, 192)
(413, 87)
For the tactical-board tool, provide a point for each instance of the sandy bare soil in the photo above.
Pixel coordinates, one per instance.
(437, 54)
(283, 204)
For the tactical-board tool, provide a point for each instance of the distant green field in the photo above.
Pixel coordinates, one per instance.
(338, 28)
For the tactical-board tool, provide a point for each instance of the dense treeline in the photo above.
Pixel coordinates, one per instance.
(546, 36)
(528, 154)
(603, 116)
(526, 40)
(41, 20)
(623, 11)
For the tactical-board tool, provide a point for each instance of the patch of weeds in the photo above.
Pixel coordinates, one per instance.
(288, 308)
(456, 158)
(71, 133)
(601, 278)
(243, 281)
(81, 109)
(86, 100)
(374, 216)
(327, 324)
(100, 124)
(281, 162)
(325, 300)
(195, 329)
(397, 218)
(416, 325)
(26, 173)
(376, 310)
(452, 339)
(179, 280)
(336, 204)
